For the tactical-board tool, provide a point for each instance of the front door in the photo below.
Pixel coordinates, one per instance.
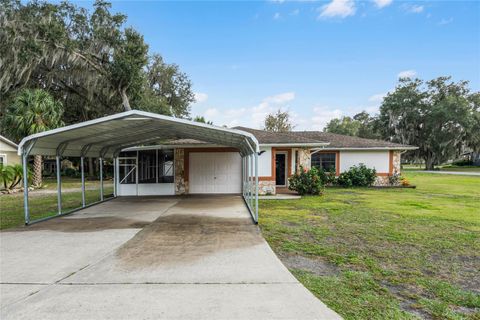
(281, 169)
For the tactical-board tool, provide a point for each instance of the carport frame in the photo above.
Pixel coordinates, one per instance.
(151, 131)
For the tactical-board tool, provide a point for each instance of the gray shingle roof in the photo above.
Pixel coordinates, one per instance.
(266, 137)
(334, 140)
(343, 141)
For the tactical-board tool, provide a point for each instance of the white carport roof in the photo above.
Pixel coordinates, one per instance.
(105, 137)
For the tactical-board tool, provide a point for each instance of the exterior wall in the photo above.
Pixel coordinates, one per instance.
(379, 160)
(181, 185)
(9, 153)
(396, 161)
(265, 162)
(266, 187)
(304, 158)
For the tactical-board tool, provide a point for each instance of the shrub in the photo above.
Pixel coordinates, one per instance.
(10, 176)
(394, 180)
(328, 178)
(357, 176)
(71, 172)
(463, 162)
(306, 182)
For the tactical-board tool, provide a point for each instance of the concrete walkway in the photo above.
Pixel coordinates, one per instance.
(461, 173)
(150, 258)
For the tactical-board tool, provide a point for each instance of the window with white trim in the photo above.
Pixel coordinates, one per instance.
(324, 161)
(3, 159)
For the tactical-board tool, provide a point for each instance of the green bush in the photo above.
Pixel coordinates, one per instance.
(463, 162)
(71, 172)
(306, 182)
(328, 178)
(357, 176)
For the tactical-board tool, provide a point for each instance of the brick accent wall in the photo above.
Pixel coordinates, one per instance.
(181, 186)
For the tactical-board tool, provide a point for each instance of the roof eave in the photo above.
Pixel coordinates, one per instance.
(298, 145)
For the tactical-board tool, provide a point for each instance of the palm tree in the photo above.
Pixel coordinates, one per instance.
(33, 111)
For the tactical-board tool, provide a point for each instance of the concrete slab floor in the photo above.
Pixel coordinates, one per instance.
(150, 258)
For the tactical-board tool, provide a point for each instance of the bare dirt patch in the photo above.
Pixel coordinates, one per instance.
(311, 264)
(177, 239)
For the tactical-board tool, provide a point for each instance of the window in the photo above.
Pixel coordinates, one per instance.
(154, 166)
(324, 161)
(147, 166)
(165, 166)
(3, 159)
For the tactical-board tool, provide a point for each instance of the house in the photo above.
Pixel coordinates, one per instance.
(188, 166)
(160, 155)
(8, 152)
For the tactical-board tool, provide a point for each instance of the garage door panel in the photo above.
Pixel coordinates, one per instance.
(215, 172)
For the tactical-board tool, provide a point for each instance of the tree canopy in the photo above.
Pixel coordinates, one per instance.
(360, 125)
(439, 116)
(87, 60)
(278, 122)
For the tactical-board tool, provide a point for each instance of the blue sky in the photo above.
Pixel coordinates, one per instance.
(318, 60)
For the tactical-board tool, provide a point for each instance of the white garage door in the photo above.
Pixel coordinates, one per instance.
(215, 172)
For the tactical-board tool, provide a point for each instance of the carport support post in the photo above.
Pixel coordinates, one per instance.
(25, 188)
(59, 186)
(82, 170)
(251, 184)
(115, 176)
(256, 187)
(101, 178)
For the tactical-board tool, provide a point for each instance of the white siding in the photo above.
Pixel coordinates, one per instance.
(265, 162)
(379, 160)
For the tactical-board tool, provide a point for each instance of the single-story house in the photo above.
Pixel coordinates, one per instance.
(187, 166)
(8, 152)
(159, 155)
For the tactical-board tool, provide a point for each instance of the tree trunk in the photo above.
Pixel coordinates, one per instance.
(91, 168)
(125, 101)
(429, 163)
(37, 170)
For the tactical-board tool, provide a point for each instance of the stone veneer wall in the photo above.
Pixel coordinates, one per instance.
(396, 161)
(181, 186)
(266, 187)
(303, 158)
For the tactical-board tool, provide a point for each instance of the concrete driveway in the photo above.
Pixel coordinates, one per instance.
(150, 258)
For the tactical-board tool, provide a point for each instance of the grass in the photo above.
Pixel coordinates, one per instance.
(412, 167)
(45, 204)
(398, 253)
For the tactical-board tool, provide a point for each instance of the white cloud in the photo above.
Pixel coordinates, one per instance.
(382, 3)
(276, 16)
(338, 8)
(377, 97)
(249, 116)
(295, 12)
(415, 8)
(407, 74)
(321, 116)
(200, 97)
(445, 21)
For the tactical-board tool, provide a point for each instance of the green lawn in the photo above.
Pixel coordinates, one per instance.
(385, 253)
(443, 168)
(44, 205)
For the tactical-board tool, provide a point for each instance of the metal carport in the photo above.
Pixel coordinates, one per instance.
(107, 136)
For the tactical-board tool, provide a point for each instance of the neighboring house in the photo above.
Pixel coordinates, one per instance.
(8, 152)
(472, 156)
(189, 166)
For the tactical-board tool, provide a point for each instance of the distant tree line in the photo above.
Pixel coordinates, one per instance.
(439, 116)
